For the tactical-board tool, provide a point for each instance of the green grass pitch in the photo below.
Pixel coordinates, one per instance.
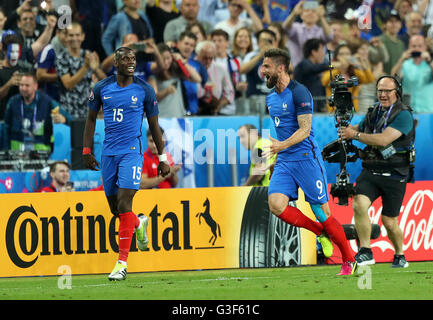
(376, 282)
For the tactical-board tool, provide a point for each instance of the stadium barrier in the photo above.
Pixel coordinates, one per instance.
(189, 229)
(196, 139)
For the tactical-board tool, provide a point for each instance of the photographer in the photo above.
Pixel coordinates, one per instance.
(168, 79)
(389, 133)
(415, 67)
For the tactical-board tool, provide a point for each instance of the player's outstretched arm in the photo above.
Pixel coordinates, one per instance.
(89, 131)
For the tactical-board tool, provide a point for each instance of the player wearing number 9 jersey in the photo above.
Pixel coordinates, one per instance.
(124, 100)
(299, 162)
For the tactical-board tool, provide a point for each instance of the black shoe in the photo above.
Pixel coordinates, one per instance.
(364, 257)
(399, 262)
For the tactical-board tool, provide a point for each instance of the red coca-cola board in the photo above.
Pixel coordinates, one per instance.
(415, 220)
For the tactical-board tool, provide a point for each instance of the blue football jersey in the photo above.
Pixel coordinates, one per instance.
(124, 110)
(284, 109)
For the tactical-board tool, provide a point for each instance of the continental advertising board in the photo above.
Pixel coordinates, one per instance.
(189, 229)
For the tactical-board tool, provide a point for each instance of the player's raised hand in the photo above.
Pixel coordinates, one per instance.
(90, 162)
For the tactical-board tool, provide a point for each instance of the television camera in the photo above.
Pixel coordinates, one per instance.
(341, 151)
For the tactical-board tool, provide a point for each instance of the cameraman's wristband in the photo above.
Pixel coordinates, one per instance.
(357, 135)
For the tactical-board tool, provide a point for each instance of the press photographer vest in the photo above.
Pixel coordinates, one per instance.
(373, 159)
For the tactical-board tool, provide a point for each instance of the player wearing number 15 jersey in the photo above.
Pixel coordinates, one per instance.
(124, 100)
(299, 161)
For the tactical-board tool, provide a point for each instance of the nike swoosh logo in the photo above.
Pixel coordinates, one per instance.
(320, 197)
(136, 183)
(105, 98)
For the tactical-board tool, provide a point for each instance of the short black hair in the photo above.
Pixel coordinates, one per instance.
(279, 56)
(187, 34)
(312, 44)
(121, 50)
(219, 32)
(270, 32)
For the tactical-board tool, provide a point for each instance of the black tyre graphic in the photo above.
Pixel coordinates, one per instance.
(265, 240)
(351, 234)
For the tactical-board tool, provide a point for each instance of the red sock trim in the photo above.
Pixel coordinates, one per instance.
(295, 217)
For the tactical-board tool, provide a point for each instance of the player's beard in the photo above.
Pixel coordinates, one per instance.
(272, 81)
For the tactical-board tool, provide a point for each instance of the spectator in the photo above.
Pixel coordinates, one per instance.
(259, 173)
(404, 8)
(159, 15)
(348, 66)
(212, 11)
(355, 33)
(242, 43)
(60, 175)
(309, 72)
(277, 28)
(198, 29)
(3, 19)
(261, 8)
(230, 64)
(46, 72)
(91, 16)
(377, 53)
(415, 68)
(380, 12)
(234, 22)
(337, 37)
(74, 67)
(59, 40)
(300, 32)
(18, 58)
(185, 46)
(169, 83)
(394, 46)
(9, 75)
(29, 117)
(217, 96)
(130, 20)
(14, 11)
(27, 28)
(149, 176)
(413, 25)
(257, 89)
(189, 11)
(367, 91)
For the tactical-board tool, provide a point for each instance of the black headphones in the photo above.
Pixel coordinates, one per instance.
(399, 88)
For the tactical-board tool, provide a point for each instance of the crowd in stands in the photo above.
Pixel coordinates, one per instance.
(202, 57)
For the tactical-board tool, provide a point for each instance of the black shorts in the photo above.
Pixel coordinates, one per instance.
(390, 189)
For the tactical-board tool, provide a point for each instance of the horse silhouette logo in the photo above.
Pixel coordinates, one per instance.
(213, 225)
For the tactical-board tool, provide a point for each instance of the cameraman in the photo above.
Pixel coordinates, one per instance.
(388, 131)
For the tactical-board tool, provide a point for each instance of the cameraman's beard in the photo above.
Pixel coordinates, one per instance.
(272, 81)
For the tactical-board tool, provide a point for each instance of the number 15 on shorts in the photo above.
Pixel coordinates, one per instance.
(136, 174)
